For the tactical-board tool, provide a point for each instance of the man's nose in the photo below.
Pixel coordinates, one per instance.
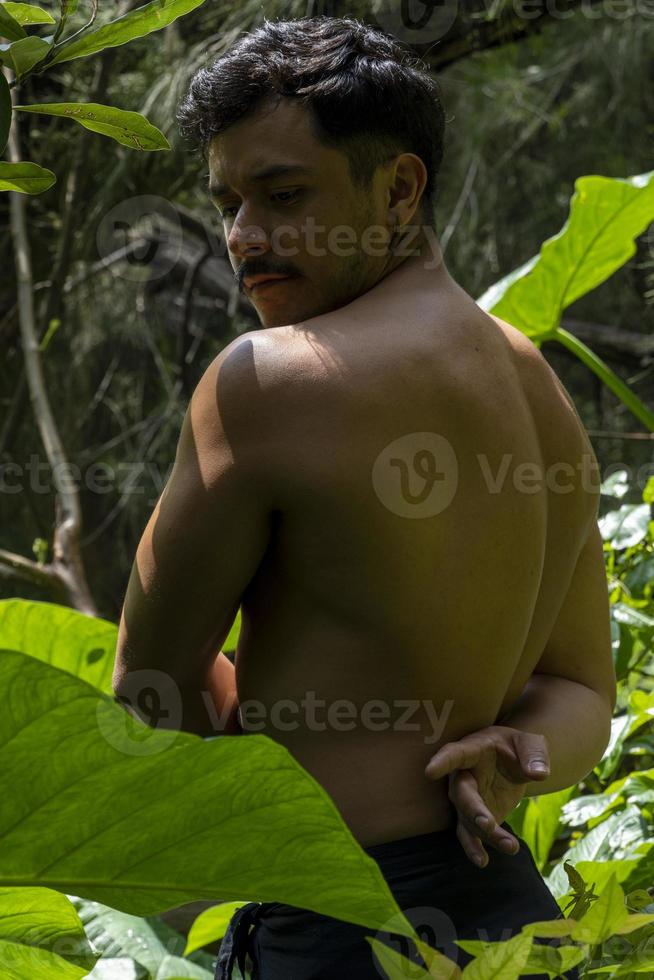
(247, 238)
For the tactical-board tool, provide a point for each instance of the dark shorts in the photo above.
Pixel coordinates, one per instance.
(443, 894)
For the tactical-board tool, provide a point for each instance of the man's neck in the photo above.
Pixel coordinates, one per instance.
(413, 249)
(414, 252)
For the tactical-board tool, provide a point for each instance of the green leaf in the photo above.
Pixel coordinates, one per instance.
(500, 961)
(552, 960)
(615, 485)
(640, 710)
(5, 111)
(640, 577)
(549, 928)
(633, 922)
(118, 968)
(584, 808)
(9, 27)
(149, 823)
(26, 178)
(83, 645)
(603, 917)
(126, 127)
(144, 20)
(606, 216)
(41, 936)
(231, 639)
(26, 53)
(542, 957)
(632, 617)
(398, 967)
(640, 961)
(66, 9)
(210, 925)
(541, 823)
(602, 843)
(28, 13)
(626, 526)
(151, 944)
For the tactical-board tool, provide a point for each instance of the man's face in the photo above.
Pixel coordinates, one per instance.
(311, 224)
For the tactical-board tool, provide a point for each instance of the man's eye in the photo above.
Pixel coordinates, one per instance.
(293, 194)
(280, 194)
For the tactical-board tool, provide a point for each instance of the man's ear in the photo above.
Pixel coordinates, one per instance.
(408, 181)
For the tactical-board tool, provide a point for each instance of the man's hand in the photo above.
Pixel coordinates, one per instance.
(488, 774)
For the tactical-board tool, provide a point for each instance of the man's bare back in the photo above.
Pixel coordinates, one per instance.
(436, 607)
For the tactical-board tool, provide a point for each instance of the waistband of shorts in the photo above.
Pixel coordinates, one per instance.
(436, 843)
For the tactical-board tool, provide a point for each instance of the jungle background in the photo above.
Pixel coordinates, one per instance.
(133, 298)
(133, 289)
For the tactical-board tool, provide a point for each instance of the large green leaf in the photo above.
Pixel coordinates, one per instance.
(41, 936)
(148, 822)
(26, 178)
(28, 13)
(137, 23)
(25, 53)
(83, 645)
(155, 948)
(5, 111)
(606, 215)
(126, 127)
(9, 26)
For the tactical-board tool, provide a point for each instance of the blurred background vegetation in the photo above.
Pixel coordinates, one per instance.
(131, 269)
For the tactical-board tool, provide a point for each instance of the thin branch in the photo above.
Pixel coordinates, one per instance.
(67, 556)
(460, 204)
(602, 434)
(46, 576)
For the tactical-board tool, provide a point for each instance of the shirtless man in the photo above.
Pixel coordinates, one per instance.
(398, 493)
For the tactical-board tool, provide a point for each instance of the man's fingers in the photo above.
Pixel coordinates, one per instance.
(472, 846)
(476, 816)
(466, 753)
(463, 754)
(533, 753)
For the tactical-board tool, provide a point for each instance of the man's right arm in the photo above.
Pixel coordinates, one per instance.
(571, 694)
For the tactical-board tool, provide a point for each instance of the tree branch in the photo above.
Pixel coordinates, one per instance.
(67, 557)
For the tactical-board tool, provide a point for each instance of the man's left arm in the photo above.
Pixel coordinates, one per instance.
(201, 547)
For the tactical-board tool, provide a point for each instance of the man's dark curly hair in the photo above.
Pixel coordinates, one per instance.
(368, 96)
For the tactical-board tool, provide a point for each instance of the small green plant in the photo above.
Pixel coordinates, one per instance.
(28, 54)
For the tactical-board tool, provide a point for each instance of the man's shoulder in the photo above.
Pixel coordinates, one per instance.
(244, 367)
(556, 416)
(235, 399)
